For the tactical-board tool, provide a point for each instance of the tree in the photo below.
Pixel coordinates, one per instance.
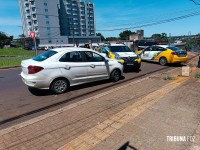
(160, 37)
(125, 34)
(102, 37)
(5, 40)
(111, 39)
(198, 40)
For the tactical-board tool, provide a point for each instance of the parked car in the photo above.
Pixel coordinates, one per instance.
(58, 69)
(164, 54)
(123, 53)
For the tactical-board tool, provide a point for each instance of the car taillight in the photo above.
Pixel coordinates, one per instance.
(174, 53)
(34, 69)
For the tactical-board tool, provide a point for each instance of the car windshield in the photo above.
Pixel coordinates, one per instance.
(119, 49)
(174, 48)
(44, 55)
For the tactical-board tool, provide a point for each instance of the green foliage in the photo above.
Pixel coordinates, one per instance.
(102, 37)
(168, 78)
(197, 76)
(4, 39)
(16, 52)
(191, 42)
(125, 34)
(14, 61)
(10, 62)
(111, 39)
(160, 37)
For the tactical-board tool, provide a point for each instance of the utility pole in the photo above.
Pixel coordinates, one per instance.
(189, 40)
(169, 41)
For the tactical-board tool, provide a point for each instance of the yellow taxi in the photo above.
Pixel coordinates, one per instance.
(163, 54)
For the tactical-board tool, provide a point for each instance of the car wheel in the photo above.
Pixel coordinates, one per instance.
(163, 61)
(59, 86)
(115, 76)
(137, 67)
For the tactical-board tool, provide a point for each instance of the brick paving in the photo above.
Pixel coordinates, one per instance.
(140, 115)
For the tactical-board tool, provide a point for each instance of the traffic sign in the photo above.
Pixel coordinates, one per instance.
(32, 35)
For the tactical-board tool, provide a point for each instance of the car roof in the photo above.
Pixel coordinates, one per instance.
(116, 45)
(69, 49)
(164, 46)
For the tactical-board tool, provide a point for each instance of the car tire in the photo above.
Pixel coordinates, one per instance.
(163, 61)
(115, 76)
(59, 86)
(137, 67)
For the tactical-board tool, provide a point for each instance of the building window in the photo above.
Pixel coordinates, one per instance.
(47, 16)
(32, 2)
(34, 15)
(28, 11)
(36, 28)
(49, 41)
(33, 8)
(29, 23)
(45, 4)
(46, 10)
(35, 21)
(47, 22)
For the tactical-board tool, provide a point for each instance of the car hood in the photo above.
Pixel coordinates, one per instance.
(125, 54)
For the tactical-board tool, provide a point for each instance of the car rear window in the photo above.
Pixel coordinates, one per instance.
(174, 48)
(44, 55)
(119, 49)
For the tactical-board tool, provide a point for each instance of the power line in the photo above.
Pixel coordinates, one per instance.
(154, 18)
(196, 3)
(157, 22)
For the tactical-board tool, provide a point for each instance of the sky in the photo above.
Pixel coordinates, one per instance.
(173, 17)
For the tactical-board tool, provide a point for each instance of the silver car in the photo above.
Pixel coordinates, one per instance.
(60, 68)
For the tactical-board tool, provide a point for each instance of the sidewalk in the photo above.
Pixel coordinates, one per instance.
(147, 114)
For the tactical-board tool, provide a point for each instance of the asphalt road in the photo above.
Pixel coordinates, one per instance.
(16, 99)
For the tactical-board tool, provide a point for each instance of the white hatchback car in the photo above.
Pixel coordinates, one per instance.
(60, 68)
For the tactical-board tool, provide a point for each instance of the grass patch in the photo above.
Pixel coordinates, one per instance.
(10, 62)
(16, 52)
(168, 78)
(197, 76)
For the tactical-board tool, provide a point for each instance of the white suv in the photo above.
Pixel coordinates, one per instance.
(124, 53)
(60, 68)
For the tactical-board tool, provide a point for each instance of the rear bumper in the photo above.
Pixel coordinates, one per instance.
(177, 59)
(35, 82)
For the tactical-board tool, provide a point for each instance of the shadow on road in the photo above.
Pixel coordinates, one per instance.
(38, 92)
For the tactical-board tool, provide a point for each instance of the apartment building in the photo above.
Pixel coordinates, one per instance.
(59, 22)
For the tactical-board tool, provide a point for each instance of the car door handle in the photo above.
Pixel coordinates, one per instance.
(67, 67)
(92, 66)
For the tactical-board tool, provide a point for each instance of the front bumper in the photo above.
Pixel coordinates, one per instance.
(135, 63)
